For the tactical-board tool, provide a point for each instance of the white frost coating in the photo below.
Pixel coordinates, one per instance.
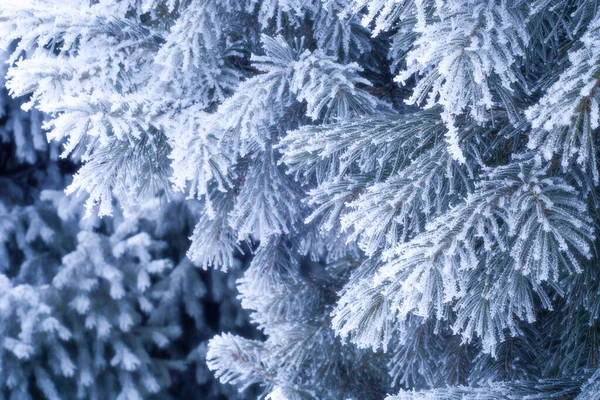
(400, 192)
(459, 54)
(425, 275)
(565, 118)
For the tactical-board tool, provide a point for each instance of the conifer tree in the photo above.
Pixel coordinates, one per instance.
(414, 184)
(98, 309)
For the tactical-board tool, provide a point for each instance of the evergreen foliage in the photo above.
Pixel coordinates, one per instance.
(412, 186)
(92, 308)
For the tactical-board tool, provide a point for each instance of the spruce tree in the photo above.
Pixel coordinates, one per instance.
(413, 184)
(99, 308)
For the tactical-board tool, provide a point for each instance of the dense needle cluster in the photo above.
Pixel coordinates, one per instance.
(402, 194)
